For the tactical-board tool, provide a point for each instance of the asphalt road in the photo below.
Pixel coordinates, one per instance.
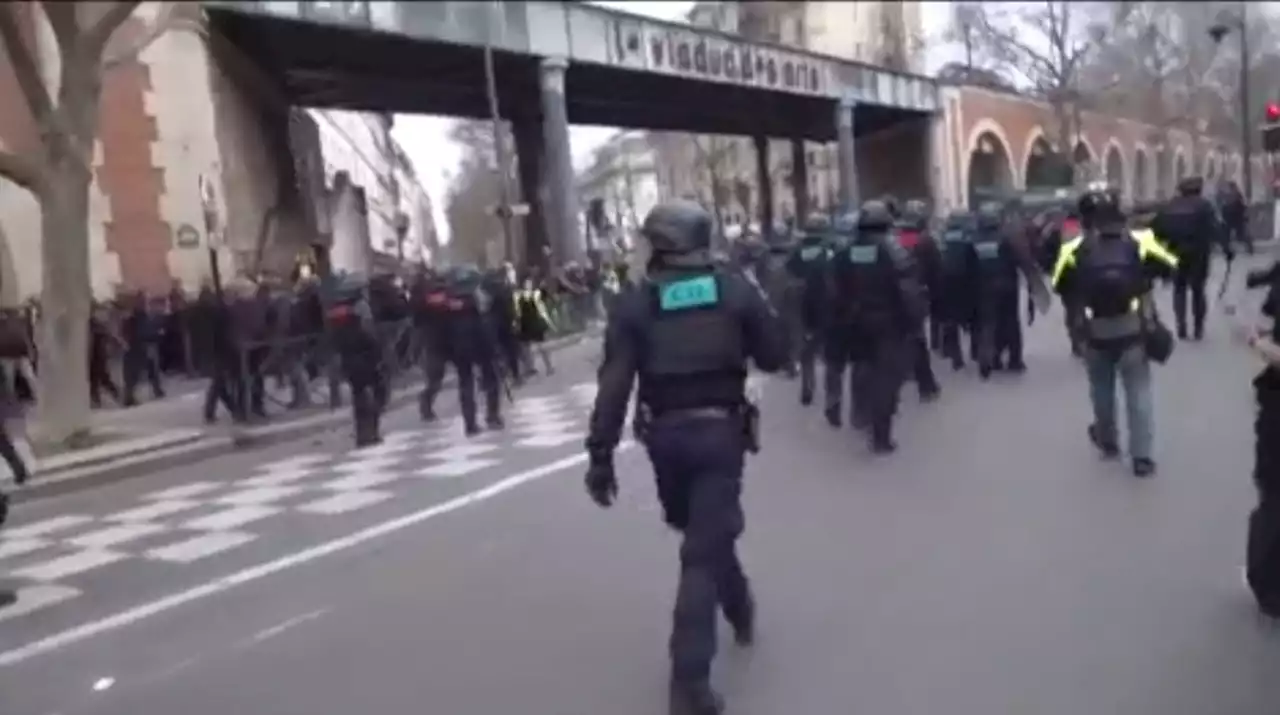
(993, 565)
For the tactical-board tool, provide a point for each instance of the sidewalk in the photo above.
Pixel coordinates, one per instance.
(166, 433)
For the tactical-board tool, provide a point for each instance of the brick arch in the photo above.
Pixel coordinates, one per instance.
(980, 129)
(1176, 160)
(1113, 146)
(1143, 177)
(1034, 134)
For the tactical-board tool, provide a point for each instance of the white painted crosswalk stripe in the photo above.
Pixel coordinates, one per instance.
(154, 511)
(37, 597)
(344, 502)
(17, 547)
(232, 518)
(200, 547)
(115, 535)
(69, 565)
(184, 491)
(47, 527)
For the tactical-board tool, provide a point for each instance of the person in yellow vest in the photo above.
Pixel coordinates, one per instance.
(533, 322)
(1108, 271)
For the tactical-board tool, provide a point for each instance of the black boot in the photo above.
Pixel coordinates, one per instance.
(494, 421)
(743, 622)
(882, 440)
(695, 698)
(1108, 448)
(7, 598)
(833, 416)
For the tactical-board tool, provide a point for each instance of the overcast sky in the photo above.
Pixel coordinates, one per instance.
(425, 138)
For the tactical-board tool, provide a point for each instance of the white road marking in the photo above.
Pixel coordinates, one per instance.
(273, 631)
(294, 462)
(276, 477)
(551, 439)
(185, 491)
(378, 462)
(34, 598)
(17, 547)
(71, 564)
(361, 480)
(460, 452)
(114, 535)
(47, 526)
(196, 548)
(140, 613)
(344, 502)
(154, 511)
(232, 518)
(257, 496)
(456, 468)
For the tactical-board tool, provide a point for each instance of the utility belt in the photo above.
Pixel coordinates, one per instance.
(747, 412)
(1112, 328)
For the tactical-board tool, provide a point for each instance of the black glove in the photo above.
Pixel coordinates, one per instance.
(601, 482)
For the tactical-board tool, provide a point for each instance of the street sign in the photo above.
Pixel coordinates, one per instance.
(187, 236)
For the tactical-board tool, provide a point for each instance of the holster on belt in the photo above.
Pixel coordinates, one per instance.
(751, 426)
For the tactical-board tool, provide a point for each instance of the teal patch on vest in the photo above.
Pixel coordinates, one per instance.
(988, 250)
(863, 255)
(699, 292)
(810, 253)
(954, 237)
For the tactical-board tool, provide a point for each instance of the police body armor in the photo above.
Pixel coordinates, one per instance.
(996, 267)
(808, 265)
(693, 341)
(866, 286)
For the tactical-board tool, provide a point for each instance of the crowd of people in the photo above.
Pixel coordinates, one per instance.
(877, 293)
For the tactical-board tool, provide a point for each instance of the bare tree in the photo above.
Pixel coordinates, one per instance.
(1046, 45)
(713, 154)
(742, 192)
(58, 171)
(473, 192)
(895, 45)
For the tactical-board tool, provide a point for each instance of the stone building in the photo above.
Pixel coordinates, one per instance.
(187, 112)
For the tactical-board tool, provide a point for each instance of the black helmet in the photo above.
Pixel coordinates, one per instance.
(1190, 186)
(915, 209)
(990, 214)
(816, 225)
(1099, 205)
(875, 216)
(679, 226)
(890, 203)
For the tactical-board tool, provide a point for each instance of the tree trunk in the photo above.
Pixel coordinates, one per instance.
(63, 395)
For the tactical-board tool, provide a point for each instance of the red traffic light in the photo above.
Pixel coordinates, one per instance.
(1273, 112)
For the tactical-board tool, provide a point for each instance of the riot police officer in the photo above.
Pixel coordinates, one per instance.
(913, 234)
(959, 285)
(1002, 254)
(352, 330)
(687, 333)
(462, 307)
(807, 266)
(1190, 226)
(880, 306)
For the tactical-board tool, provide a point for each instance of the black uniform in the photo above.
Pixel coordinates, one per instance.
(807, 266)
(998, 323)
(1189, 225)
(1263, 549)
(959, 286)
(687, 333)
(462, 308)
(352, 329)
(878, 308)
(913, 235)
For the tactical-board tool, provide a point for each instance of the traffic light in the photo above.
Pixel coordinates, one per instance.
(1271, 128)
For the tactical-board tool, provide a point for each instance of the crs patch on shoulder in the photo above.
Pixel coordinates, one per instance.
(863, 255)
(811, 253)
(700, 292)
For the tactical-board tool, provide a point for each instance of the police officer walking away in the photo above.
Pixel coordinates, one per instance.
(462, 306)
(807, 266)
(913, 235)
(879, 308)
(1189, 225)
(1109, 272)
(687, 333)
(352, 330)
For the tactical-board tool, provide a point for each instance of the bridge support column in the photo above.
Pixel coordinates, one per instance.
(527, 132)
(765, 184)
(848, 154)
(799, 180)
(561, 207)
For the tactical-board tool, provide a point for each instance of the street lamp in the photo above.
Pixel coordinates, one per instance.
(1238, 24)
